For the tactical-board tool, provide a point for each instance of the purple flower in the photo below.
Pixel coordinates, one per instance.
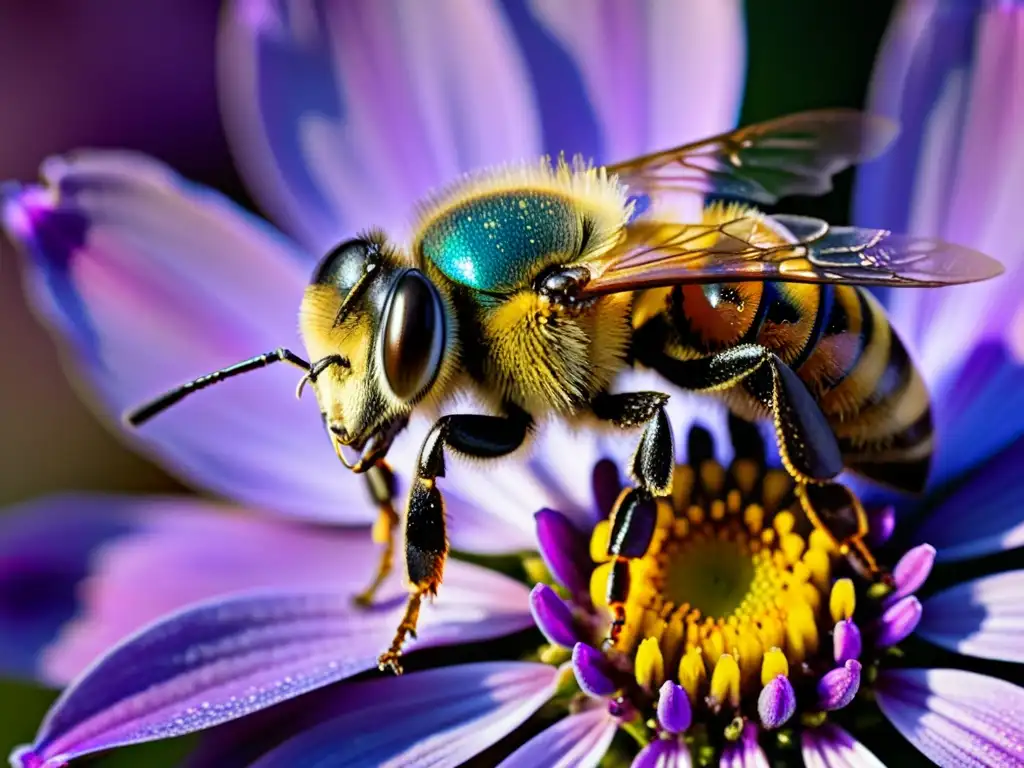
(735, 594)
(341, 116)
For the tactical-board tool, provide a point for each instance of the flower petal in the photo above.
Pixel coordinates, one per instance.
(982, 515)
(663, 753)
(45, 552)
(231, 656)
(745, 753)
(979, 411)
(440, 717)
(829, 746)
(576, 741)
(176, 548)
(983, 618)
(955, 717)
(395, 99)
(644, 94)
(948, 72)
(152, 281)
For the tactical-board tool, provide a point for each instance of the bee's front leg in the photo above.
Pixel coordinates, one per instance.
(635, 512)
(426, 543)
(380, 481)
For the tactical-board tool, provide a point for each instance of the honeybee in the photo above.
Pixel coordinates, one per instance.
(533, 286)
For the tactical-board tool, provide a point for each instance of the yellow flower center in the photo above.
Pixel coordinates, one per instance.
(734, 590)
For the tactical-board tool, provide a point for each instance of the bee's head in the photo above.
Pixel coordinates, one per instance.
(376, 331)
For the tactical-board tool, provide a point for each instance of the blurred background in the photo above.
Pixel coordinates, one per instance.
(140, 75)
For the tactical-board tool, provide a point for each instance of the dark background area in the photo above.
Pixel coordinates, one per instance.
(125, 73)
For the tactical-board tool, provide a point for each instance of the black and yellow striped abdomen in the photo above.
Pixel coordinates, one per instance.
(837, 339)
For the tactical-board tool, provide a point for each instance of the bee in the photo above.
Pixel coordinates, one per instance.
(533, 286)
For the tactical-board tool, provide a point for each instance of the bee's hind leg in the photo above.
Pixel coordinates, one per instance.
(380, 481)
(635, 512)
(426, 542)
(807, 445)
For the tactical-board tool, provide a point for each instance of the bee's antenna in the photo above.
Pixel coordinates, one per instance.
(319, 367)
(146, 412)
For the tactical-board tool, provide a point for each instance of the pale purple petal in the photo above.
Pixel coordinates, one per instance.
(838, 686)
(440, 717)
(979, 411)
(177, 549)
(983, 618)
(576, 741)
(552, 616)
(593, 672)
(343, 115)
(663, 753)
(45, 551)
(829, 746)
(222, 659)
(949, 71)
(674, 712)
(644, 95)
(955, 717)
(563, 547)
(150, 281)
(983, 514)
(745, 753)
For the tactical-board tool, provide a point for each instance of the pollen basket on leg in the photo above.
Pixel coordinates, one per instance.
(734, 590)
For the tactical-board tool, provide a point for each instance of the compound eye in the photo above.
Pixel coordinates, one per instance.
(413, 336)
(344, 265)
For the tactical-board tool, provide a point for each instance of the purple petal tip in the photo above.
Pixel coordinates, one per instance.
(607, 485)
(837, 688)
(846, 642)
(898, 621)
(561, 546)
(592, 671)
(911, 571)
(552, 616)
(881, 525)
(674, 713)
(777, 703)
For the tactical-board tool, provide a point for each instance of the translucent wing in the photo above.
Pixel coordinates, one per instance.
(654, 254)
(793, 155)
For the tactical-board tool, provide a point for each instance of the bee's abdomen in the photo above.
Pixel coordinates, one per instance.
(871, 392)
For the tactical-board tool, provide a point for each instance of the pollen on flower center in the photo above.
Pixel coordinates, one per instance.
(734, 590)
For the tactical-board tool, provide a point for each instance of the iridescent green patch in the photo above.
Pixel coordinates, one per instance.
(495, 243)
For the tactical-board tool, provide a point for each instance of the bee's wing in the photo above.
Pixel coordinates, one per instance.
(654, 254)
(793, 155)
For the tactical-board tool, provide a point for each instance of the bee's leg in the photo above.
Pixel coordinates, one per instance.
(837, 511)
(426, 543)
(635, 512)
(807, 445)
(380, 482)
